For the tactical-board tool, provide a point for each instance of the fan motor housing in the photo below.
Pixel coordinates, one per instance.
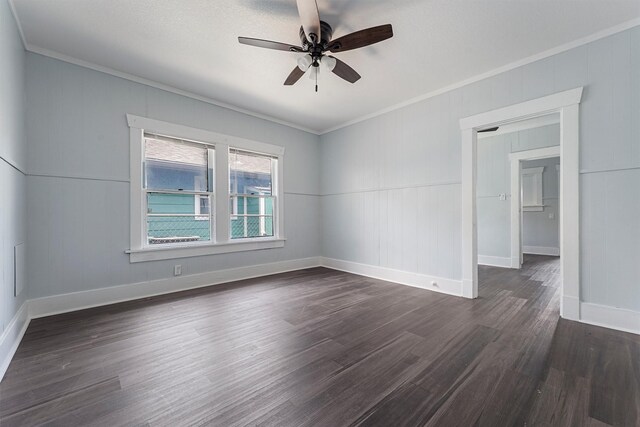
(325, 36)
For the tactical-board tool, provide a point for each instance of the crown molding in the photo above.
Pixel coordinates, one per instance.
(18, 24)
(533, 58)
(147, 82)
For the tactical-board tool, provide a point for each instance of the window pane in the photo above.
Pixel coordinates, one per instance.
(202, 204)
(249, 173)
(252, 217)
(175, 165)
(172, 218)
(237, 227)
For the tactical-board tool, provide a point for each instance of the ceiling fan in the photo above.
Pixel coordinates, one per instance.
(315, 38)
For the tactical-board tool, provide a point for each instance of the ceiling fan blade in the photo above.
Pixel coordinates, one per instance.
(294, 76)
(344, 71)
(310, 18)
(362, 38)
(489, 129)
(268, 44)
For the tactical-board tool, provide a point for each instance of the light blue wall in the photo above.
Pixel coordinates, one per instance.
(78, 184)
(12, 160)
(494, 178)
(391, 184)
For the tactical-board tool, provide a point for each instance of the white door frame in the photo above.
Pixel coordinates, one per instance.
(515, 160)
(567, 104)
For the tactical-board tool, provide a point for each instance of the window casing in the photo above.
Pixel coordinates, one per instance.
(195, 192)
(531, 181)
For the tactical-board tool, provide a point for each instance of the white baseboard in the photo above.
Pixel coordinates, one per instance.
(447, 286)
(570, 308)
(494, 261)
(610, 317)
(515, 262)
(599, 315)
(57, 304)
(47, 306)
(11, 337)
(593, 314)
(541, 250)
(468, 290)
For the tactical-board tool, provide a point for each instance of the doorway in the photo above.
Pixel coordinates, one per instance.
(539, 207)
(510, 193)
(566, 104)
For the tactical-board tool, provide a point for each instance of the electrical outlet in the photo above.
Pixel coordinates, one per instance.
(552, 215)
(503, 196)
(177, 270)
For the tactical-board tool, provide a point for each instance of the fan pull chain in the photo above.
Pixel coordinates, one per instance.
(317, 79)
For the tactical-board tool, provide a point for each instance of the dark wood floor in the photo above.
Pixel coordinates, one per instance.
(321, 347)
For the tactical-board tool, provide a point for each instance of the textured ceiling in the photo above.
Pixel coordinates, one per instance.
(192, 45)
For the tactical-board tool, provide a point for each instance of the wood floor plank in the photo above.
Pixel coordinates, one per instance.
(319, 347)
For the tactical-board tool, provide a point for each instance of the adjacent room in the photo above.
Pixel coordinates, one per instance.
(320, 213)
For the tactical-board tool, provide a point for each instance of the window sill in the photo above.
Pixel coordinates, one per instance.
(186, 251)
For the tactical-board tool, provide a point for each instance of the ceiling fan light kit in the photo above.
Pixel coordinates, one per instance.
(316, 40)
(304, 62)
(329, 62)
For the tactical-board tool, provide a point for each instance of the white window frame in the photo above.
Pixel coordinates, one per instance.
(221, 242)
(199, 216)
(536, 173)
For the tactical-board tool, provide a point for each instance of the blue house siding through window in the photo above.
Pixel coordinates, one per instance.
(175, 215)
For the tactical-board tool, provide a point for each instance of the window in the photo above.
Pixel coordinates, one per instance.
(178, 183)
(195, 192)
(532, 189)
(251, 196)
